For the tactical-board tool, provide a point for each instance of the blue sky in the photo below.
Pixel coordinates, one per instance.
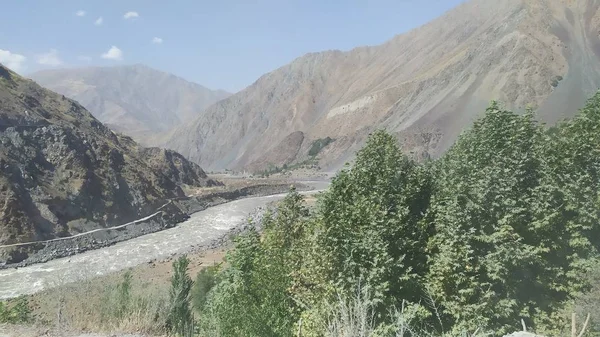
(224, 44)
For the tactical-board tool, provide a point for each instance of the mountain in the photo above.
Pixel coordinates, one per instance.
(425, 85)
(64, 172)
(136, 100)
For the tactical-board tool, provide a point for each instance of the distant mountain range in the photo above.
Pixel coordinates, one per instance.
(63, 172)
(137, 100)
(426, 86)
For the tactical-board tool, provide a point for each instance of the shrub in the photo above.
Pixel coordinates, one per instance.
(319, 145)
(352, 316)
(15, 311)
(205, 281)
(253, 296)
(124, 294)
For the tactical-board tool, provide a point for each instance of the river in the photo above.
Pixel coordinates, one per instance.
(200, 229)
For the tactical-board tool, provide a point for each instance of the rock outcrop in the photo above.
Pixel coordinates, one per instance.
(63, 172)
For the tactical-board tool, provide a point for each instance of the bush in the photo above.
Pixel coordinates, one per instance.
(15, 311)
(205, 281)
(352, 316)
(124, 294)
(319, 145)
(119, 309)
(254, 294)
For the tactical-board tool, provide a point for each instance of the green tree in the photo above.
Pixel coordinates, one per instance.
(180, 320)
(502, 249)
(576, 166)
(371, 227)
(253, 296)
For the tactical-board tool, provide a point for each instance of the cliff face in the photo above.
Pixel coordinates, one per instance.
(64, 172)
(427, 84)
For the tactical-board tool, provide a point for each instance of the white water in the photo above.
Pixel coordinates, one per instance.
(202, 228)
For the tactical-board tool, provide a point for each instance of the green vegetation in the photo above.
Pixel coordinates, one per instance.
(503, 228)
(205, 281)
(180, 320)
(319, 145)
(116, 307)
(500, 229)
(272, 169)
(16, 311)
(123, 296)
(311, 162)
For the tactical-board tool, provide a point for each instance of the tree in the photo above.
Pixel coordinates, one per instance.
(253, 296)
(502, 249)
(180, 320)
(370, 227)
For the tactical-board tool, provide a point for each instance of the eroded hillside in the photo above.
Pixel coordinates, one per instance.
(64, 172)
(425, 86)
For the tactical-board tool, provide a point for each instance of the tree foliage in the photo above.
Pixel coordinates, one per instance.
(500, 228)
(319, 145)
(371, 224)
(15, 311)
(180, 320)
(253, 297)
(205, 281)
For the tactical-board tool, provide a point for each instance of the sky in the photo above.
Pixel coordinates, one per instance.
(221, 44)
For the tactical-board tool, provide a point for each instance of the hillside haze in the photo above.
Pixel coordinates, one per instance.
(63, 172)
(425, 86)
(136, 100)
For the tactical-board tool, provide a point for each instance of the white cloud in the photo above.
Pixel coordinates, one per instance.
(50, 58)
(113, 53)
(131, 15)
(157, 40)
(84, 58)
(13, 61)
(80, 13)
(99, 21)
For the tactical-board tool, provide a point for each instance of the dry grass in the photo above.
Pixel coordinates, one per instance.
(98, 305)
(92, 305)
(353, 317)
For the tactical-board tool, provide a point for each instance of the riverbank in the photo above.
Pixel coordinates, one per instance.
(167, 216)
(152, 278)
(203, 230)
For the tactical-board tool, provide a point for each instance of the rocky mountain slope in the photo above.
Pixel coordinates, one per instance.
(136, 100)
(63, 172)
(426, 85)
